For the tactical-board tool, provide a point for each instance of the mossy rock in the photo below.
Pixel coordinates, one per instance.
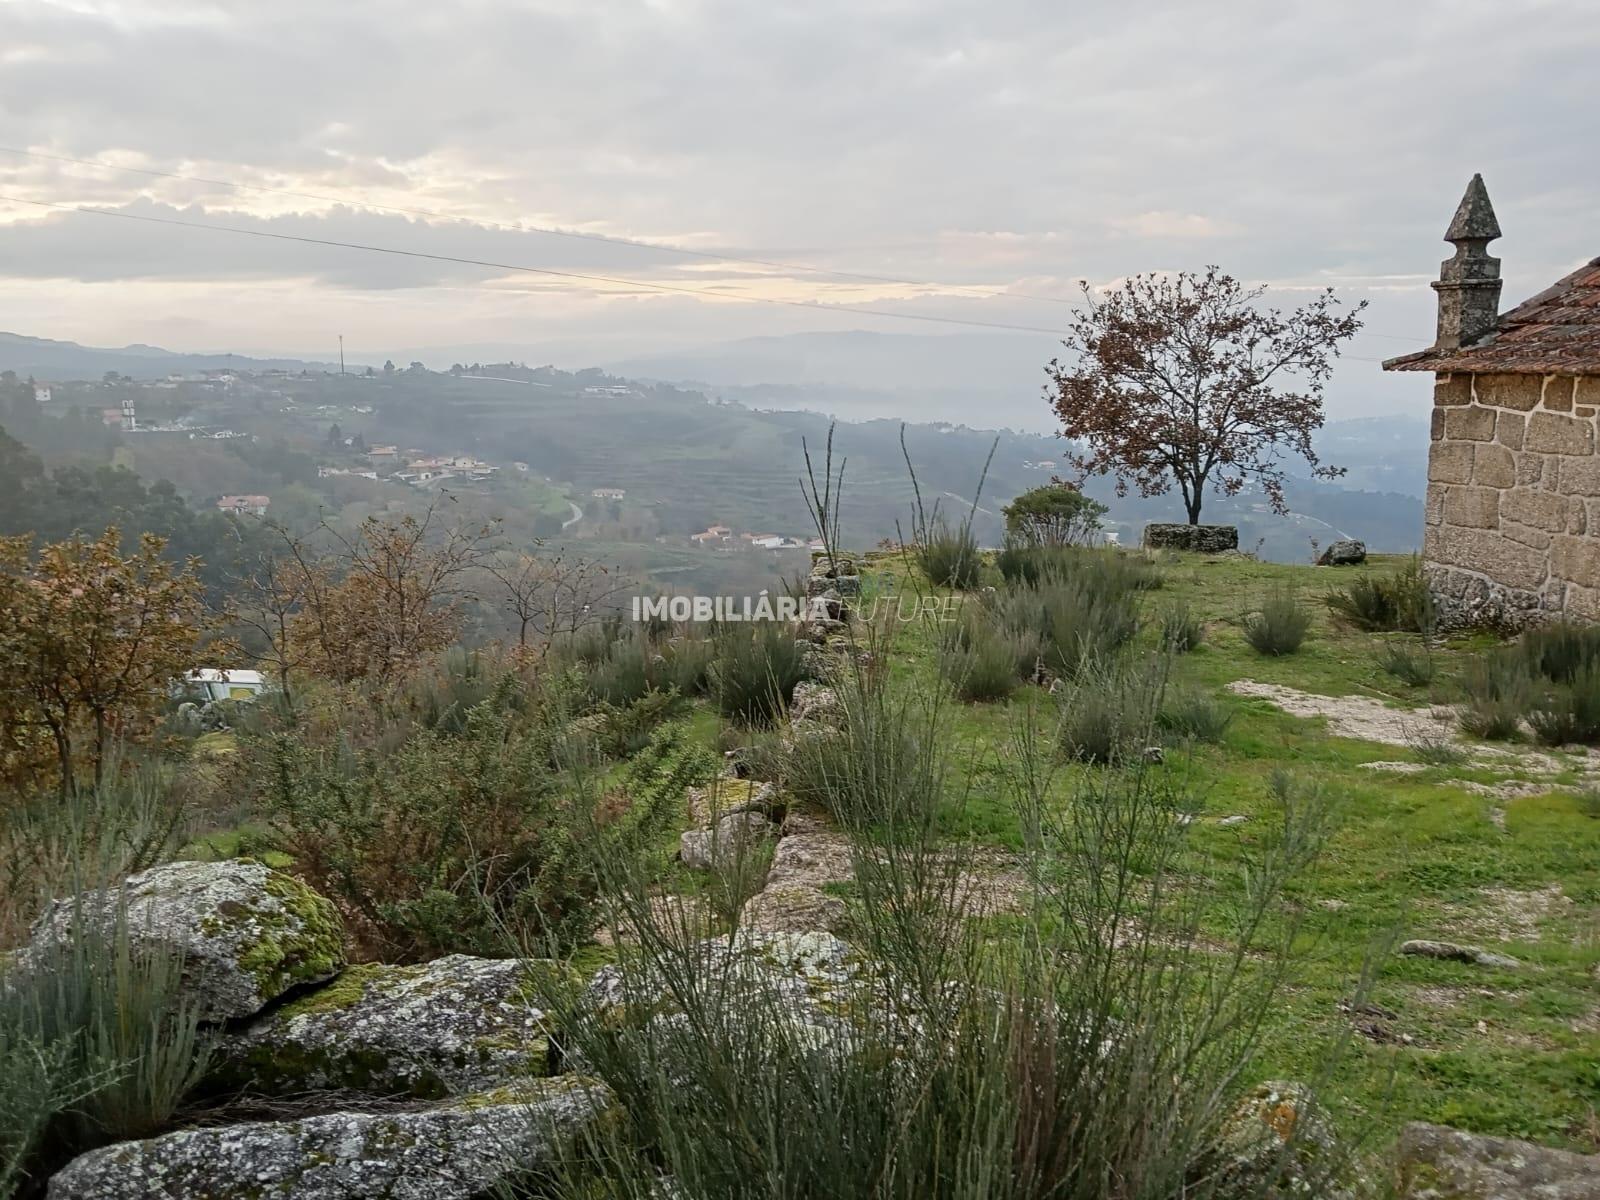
(245, 934)
(470, 1148)
(449, 1027)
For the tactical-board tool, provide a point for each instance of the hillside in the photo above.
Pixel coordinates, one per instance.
(45, 358)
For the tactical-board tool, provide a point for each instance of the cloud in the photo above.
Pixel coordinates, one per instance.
(909, 138)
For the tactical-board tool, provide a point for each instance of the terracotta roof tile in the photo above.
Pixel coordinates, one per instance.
(1557, 332)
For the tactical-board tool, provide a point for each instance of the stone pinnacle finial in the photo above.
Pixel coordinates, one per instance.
(1474, 220)
(1469, 282)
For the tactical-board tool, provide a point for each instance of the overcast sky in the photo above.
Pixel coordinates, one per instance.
(1007, 146)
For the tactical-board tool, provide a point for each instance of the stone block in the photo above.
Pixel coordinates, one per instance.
(1494, 467)
(1436, 425)
(1587, 391)
(1558, 394)
(1520, 392)
(1450, 462)
(1543, 510)
(1577, 515)
(1576, 559)
(1487, 553)
(1205, 539)
(1551, 433)
(1433, 507)
(1473, 507)
(1475, 423)
(1583, 603)
(1530, 469)
(1526, 535)
(1578, 476)
(1508, 428)
(1452, 389)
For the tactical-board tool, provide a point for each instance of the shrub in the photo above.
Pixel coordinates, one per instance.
(1089, 612)
(1181, 630)
(1376, 603)
(1435, 749)
(438, 844)
(1195, 715)
(1569, 712)
(1561, 651)
(984, 663)
(1055, 514)
(880, 766)
(628, 729)
(1411, 663)
(755, 670)
(50, 846)
(950, 557)
(689, 659)
(97, 1045)
(1109, 711)
(1097, 1052)
(1279, 626)
(1499, 689)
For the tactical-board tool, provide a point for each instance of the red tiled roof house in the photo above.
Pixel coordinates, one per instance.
(1513, 509)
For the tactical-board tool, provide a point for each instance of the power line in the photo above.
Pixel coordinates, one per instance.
(625, 243)
(703, 293)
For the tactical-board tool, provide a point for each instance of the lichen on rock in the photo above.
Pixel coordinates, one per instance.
(246, 934)
(454, 1152)
(452, 1026)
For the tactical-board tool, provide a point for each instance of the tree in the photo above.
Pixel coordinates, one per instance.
(335, 435)
(554, 594)
(1056, 514)
(92, 642)
(1184, 379)
(388, 597)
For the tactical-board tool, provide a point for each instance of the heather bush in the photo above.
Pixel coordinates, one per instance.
(436, 843)
(754, 671)
(1377, 603)
(1279, 626)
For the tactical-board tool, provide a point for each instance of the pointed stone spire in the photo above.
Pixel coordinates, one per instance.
(1469, 282)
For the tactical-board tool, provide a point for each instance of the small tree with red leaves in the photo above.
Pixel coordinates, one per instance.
(1185, 379)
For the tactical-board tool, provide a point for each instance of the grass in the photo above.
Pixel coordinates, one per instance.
(1412, 855)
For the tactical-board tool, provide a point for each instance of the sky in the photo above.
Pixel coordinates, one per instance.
(990, 153)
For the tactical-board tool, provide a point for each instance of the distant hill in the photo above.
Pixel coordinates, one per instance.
(50, 360)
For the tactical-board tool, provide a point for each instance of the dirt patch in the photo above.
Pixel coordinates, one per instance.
(1507, 915)
(1347, 716)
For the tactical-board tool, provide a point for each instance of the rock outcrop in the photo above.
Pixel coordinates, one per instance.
(1435, 1163)
(246, 934)
(1345, 552)
(453, 1152)
(446, 1028)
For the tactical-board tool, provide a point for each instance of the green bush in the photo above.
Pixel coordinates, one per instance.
(755, 670)
(1195, 715)
(98, 1044)
(1280, 625)
(1098, 1051)
(1569, 712)
(983, 663)
(950, 557)
(1181, 630)
(880, 766)
(437, 844)
(1378, 603)
(1054, 514)
(1109, 711)
(1561, 651)
(1499, 691)
(1411, 663)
